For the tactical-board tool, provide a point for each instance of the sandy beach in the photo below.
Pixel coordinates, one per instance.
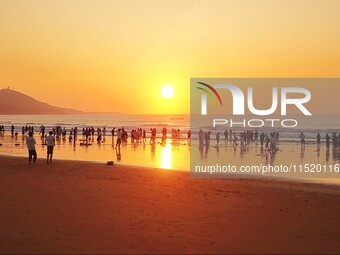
(84, 207)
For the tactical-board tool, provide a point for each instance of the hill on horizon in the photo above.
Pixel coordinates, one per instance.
(16, 103)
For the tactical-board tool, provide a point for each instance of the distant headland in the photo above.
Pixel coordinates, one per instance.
(16, 103)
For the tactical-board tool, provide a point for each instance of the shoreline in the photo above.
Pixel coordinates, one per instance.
(320, 181)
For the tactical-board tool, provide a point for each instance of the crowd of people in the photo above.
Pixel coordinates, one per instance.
(58, 133)
(269, 142)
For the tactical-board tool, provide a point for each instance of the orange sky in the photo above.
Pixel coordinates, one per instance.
(116, 55)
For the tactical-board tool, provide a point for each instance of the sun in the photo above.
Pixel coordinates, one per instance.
(167, 91)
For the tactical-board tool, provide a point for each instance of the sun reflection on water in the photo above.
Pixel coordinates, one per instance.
(166, 159)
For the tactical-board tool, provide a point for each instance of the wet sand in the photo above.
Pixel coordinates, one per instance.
(168, 156)
(84, 207)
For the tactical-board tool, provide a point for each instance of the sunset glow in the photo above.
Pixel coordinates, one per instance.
(112, 52)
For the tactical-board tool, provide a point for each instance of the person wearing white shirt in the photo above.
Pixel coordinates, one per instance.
(50, 142)
(30, 142)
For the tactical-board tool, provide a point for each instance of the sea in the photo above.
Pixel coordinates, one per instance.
(310, 126)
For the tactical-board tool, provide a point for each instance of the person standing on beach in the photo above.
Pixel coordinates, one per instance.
(144, 136)
(104, 133)
(217, 138)
(42, 131)
(226, 135)
(234, 140)
(30, 142)
(113, 135)
(262, 139)
(318, 141)
(12, 130)
(302, 137)
(334, 141)
(267, 139)
(119, 138)
(327, 141)
(50, 142)
(207, 138)
(201, 137)
(273, 147)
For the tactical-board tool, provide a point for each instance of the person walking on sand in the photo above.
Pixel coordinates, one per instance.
(50, 142)
(30, 142)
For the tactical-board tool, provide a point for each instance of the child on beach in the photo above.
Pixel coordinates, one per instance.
(50, 142)
(30, 142)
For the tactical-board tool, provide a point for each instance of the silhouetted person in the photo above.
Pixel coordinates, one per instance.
(119, 138)
(30, 142)
(262, 139)
(318, 141)
(327, 141)
(334, 141)
(302, 138)
(50, 142)
(217, 138)
(226, 135)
